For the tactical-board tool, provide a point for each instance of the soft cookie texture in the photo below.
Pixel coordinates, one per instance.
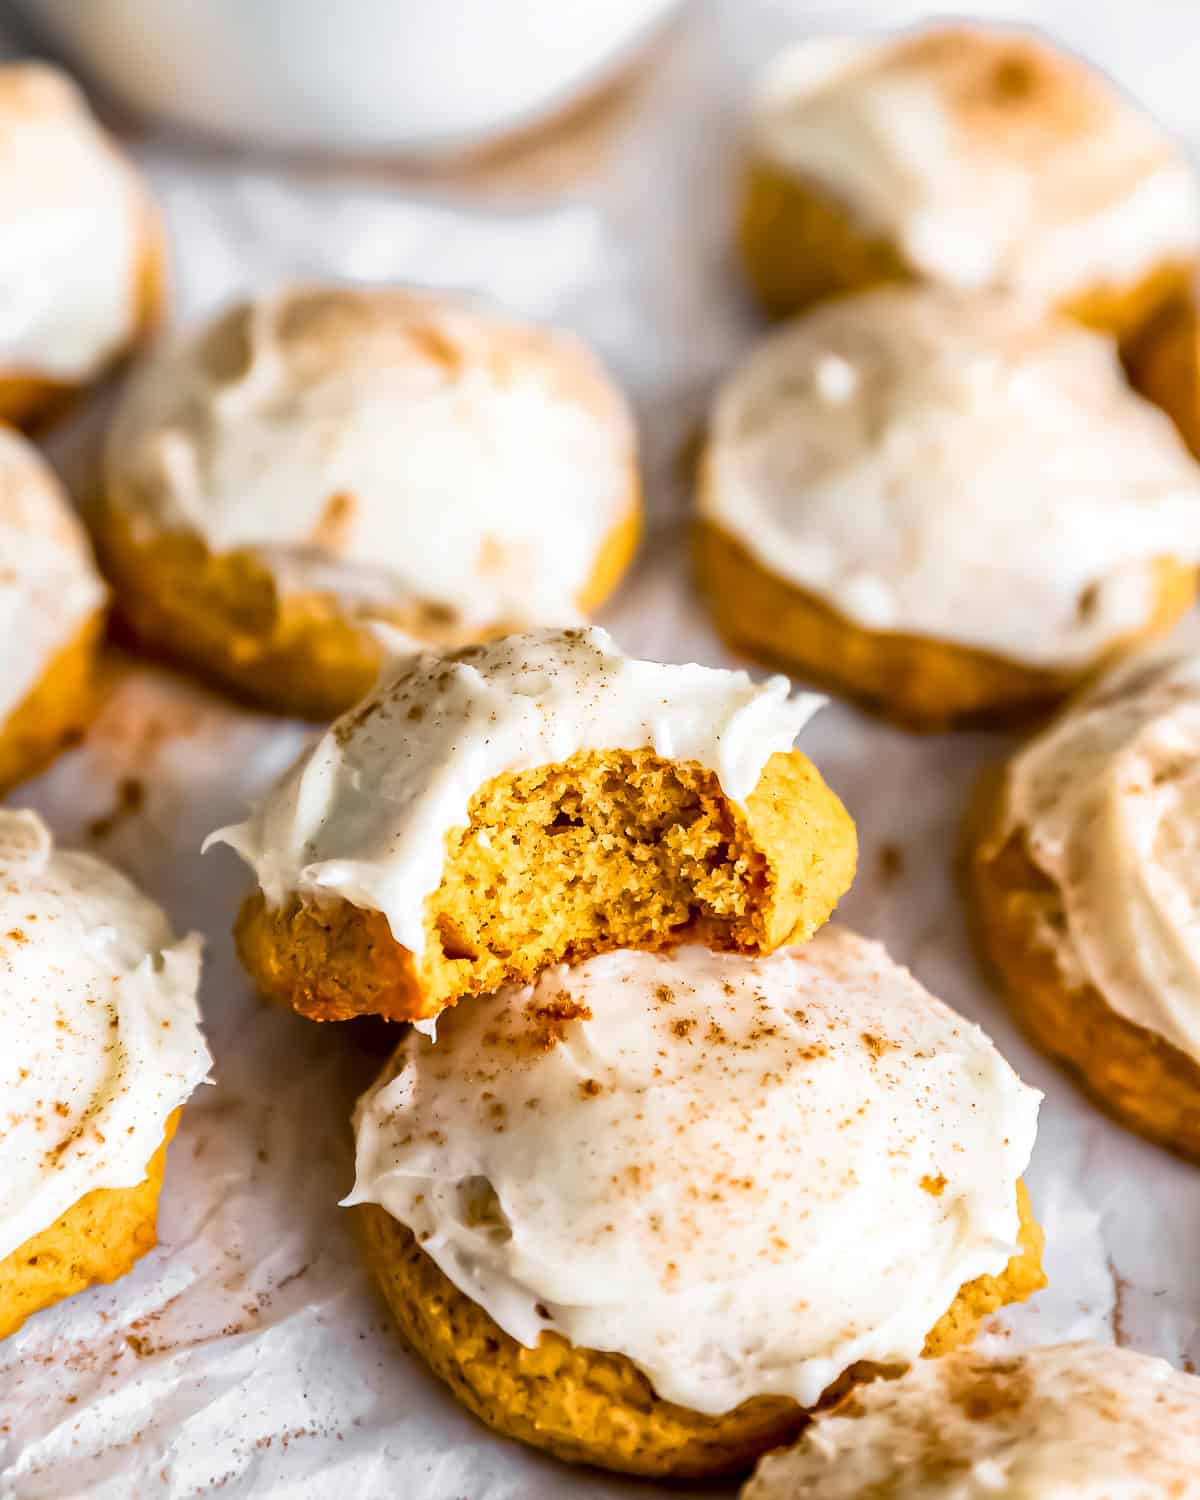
(51, 614)
(1070, 1422)
(83, 272)
(544, 797)
(103, 1047)
(325, 457)
(611, 1209)
(1083, 883)
(970, 158)
(98, 1239)
(945, 504)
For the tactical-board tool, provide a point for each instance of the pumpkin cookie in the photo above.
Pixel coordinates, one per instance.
(1164, 365)
(943, 503)
(83, 253)
(969, 157)
(326, 457)
(612, 1210)
(1072, 1422)
(52, 603)
(538, 799)
(102, 1048)
(1084, 884)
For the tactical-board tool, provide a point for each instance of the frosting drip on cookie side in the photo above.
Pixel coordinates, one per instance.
(102, 1036)
(365, 812)
(1081, 1420)
(1108, 802)
(384, 447)
(48, 582)
(953, 465)
(744, 1174)
(989, 159)
(71, 226)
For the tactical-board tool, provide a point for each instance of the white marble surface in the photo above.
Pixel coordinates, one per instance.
(247, 1356)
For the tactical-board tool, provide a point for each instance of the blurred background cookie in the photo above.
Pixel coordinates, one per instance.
(970, 157)
(1164, 365)
(1081, 878)
(943, 503)
(650, 1211)
(81, 253)
(51, 614)
(102, 1048)
(325, 457)
(1085, 1421)
(538, 799)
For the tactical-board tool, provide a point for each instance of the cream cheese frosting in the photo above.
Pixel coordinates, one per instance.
(48, 582)
(954, 465)
(102, 1034)
(987, 157)
(72, 227)
(1108, 804)
(1070, 1422)
(744, 1174)
(364, 813)
(386, 446)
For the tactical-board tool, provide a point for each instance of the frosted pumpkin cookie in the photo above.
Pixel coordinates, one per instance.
(81, 254)
(1083, 868)
(102, 1048)
(51, 614)
(537, 799)
(942, 503)
(325, 457)
(650, 1211)
(1071, 1422)
(968, 157)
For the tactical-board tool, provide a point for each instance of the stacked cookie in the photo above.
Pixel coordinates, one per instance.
(610, 1182)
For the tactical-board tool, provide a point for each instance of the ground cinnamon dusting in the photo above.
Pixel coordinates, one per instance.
(990, 1389)
(548, 1020)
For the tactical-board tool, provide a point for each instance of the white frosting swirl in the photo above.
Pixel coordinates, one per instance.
(744, 1174)
(988, 158)
(1072, 1422)
(1108, 802)
(48, 581)
(102, 1035)
(953, 465)
(365, 812)
(72, 226)
(388, 446)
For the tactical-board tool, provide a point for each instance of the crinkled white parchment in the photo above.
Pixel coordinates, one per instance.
(247, 1356)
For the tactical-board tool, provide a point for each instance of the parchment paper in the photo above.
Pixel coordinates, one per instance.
(247, 1355)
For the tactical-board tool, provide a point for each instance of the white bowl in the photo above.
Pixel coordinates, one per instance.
(363, 75)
